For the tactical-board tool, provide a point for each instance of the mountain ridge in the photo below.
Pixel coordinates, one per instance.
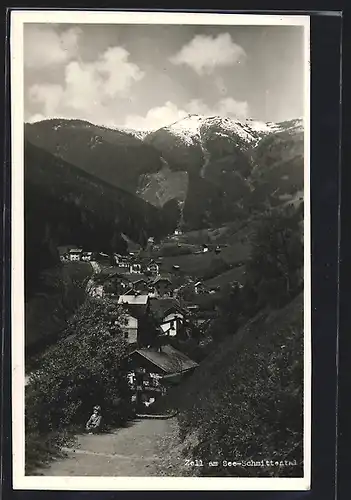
(196, 161)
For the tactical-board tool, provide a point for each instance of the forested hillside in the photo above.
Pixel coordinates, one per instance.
(64, 205)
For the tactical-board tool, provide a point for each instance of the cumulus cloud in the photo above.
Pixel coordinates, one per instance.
(44, 46)
(169, 113)
(205, 53)
(89, 88)
(156, 117)
(47, 95)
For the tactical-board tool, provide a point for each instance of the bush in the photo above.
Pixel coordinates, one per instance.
(42, 448)
(86, 368)
(274, 269)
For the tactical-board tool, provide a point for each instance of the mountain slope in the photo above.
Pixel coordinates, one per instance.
(247, 396)
(64, 204)
(115, 156)
(163, 186)
(233, 166)
(218, 169)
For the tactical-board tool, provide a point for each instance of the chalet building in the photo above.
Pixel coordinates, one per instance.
(119, 283)
(153, 268)
(169, 315)
(141, 285)
(163, 286)
(130, 327)
(75, 254)
(115, 286)
(87, 256)
(154, 370)
(124, 262)
(136, 309)
(135, 269)
(111, 283)
(63, 251)
(200, 287)
(117, 258)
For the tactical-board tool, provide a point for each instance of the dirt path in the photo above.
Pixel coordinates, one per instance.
(145, 448)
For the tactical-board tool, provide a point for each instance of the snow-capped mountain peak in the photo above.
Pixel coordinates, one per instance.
(187, 128)
(192, 128)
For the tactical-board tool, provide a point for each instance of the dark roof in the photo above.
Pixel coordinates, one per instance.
(134, 277)
(164, 277)
(111, 273)
(170, 360)
(137, 311)
(161, 306)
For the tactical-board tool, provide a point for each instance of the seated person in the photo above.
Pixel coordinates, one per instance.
(94, 422)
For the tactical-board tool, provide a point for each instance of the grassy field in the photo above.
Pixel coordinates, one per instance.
(199, 264)
(235, 274)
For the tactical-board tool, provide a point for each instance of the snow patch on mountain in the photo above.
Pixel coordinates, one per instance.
(191, 129)
(139, 134)
(262, 127)
(187, 129)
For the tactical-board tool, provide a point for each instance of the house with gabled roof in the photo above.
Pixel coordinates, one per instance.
(169, 315)
(75, 254)
(153, 268)
(163, 286)
(135, 308)
(154, 370)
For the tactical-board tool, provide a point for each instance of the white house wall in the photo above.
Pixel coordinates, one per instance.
(167, 327)
(131, 327)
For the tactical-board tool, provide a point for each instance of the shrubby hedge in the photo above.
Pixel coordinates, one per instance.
(86, 368)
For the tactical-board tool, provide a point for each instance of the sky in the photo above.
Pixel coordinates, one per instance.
(148, 76)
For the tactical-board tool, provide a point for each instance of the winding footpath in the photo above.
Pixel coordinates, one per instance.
(145, 448)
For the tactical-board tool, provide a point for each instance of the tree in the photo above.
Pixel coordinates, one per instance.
(86, 368)
(148, 330)
(68, 287)
(274, 267)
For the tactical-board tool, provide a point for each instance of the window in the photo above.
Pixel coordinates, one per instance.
(126, 335)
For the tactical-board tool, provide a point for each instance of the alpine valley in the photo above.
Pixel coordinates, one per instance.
(199, 172)
(215, 168)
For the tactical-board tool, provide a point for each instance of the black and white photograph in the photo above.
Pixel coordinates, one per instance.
(160, 251)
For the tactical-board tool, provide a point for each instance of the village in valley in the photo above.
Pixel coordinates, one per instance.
(157, 309)
(164, 251)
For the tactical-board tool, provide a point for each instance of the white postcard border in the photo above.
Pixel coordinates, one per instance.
(20, 480)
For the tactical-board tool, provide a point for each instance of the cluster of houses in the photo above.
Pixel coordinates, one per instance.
(153, 315)
(74, 254)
